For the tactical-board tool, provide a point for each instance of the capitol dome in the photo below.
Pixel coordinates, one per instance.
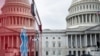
(17, 14)
(83, 13)
(17, 1)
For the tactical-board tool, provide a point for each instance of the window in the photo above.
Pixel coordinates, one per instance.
(59, 38)
(53, 44)
(46, 37)
(53, 52)
(59, 44)
(59, 52)
(47, 53)
(47, 43)
(53, 37)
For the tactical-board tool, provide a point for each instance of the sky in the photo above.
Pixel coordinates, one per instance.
(52, 12)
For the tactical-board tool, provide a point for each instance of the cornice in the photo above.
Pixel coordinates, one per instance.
(80, 13)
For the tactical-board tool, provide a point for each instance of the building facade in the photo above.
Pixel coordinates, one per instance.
(82, 33)
(16, 15)
(53, 42)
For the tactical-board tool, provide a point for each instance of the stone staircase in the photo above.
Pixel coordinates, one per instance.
(95, 51)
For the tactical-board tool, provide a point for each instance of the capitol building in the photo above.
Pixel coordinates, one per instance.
(81, 35)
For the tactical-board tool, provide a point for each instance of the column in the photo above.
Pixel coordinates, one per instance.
(19, 20)
(29, 22)
(4, 43)
(67, 43)
(76, 40)
(72, 21)
(82, 19)
(3, 21)
(12, 41)
(85, 40)
(91, 39)
(95, 39)
(80, 53)
(79, 18)
(80, 41)
(25, 22)
(97, 18)
(8, 41)
(76, 53)
(71, 42)
(12, 20)
(89, 18)
(17, 43)
(22, 21)
(94, 18)
(75, 20)
(16, 20)
(86, 18)
(8, 21)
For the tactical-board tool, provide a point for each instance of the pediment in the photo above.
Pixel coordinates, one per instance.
(97, 28)
(5, 30)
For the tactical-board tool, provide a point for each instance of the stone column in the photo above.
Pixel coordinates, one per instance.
(22, 21)
(91, 39)
(12, 20)
(82, 19)
(15, 20)
(8, 41)
(12, 41)
(76, 53)
(78, 18)
(66, 43)
(19, 20)
(97, 18)
(17, 42)
(76, 41)
(75, 20)
(90, 18)
(71, 42)
(94, 18)
(85, 40)
(72, 21)
(81, 53)
(80, 41)
(86, 18)
(95, 39)
(4, 43)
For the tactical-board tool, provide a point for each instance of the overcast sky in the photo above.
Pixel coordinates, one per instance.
(52, 12)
